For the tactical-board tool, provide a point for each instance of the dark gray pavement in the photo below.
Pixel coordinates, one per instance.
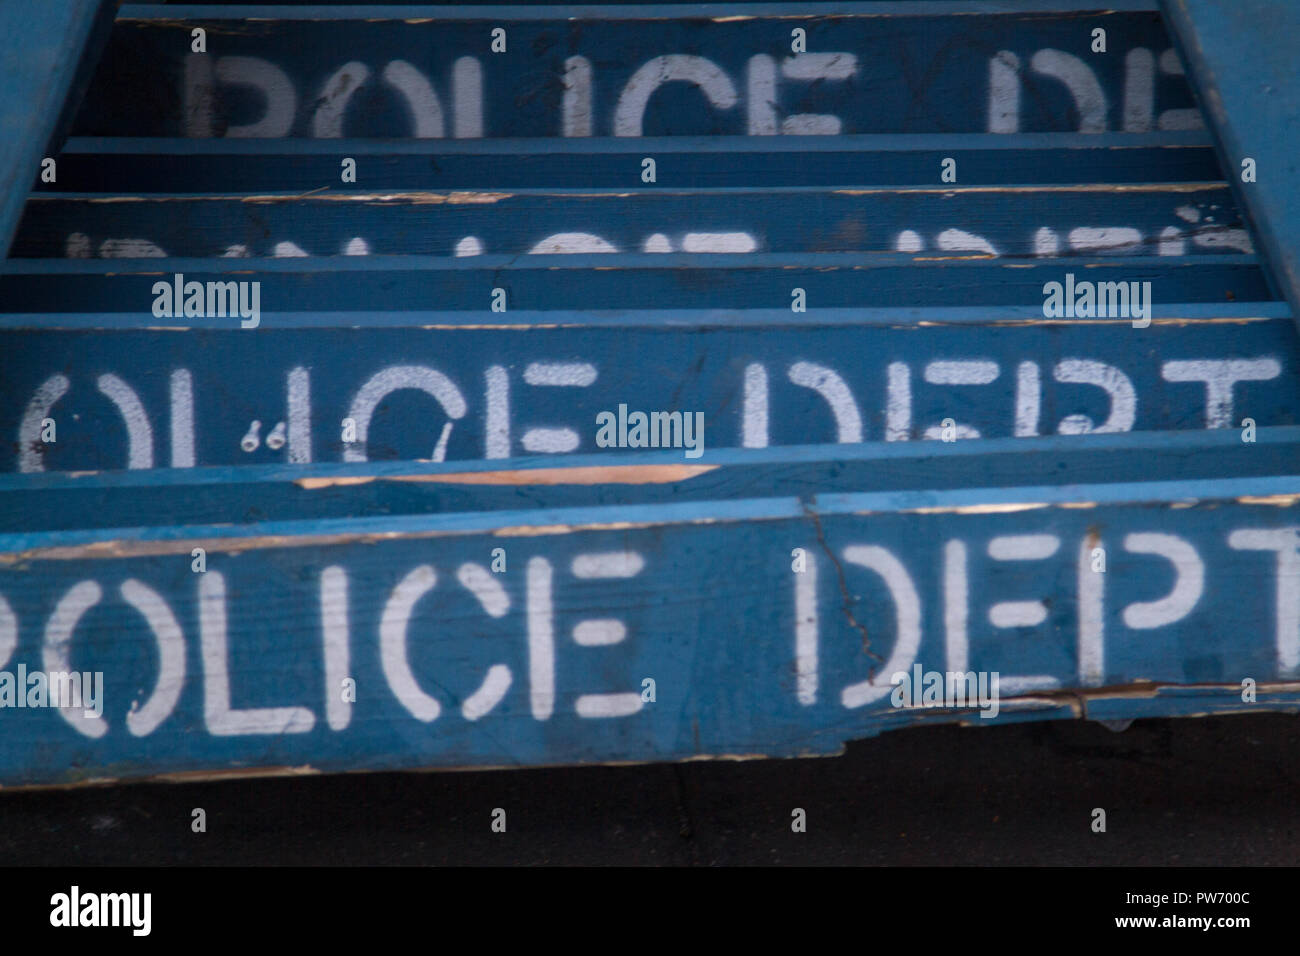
(1213, 791)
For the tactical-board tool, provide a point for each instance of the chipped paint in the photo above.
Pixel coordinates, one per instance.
(314, 484)
(1101, 188)
(1277, 501)
(990, 509)
(599, 475)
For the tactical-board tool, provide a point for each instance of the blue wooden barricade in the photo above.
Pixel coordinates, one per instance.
(1243, 57)
(145, 398)
(748, 618)
(58, 289)
(395, 386)
(45, 65)
(118, 165)
(638, 70)
(1020, 222)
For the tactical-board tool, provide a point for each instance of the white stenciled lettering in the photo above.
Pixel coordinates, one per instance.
(336, 642)
(1021, 547)
(1092, 628)
(964, 372)
(30, 447)
(1123, 399)
(332, 101)
(619, 565)
(395, 378)
(1189, 581)
(393, 627)
(806, 631)
(139, 433)
(56, 652)
(754, 414)
(828, 384)
(703, 73)
(907, 607)
(556, 441)
(142, 721)
(222, 720)
(541, 640)
(1220, 376)
(1285, 542)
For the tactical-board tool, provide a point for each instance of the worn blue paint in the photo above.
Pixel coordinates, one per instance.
(84, 504)
(634, 10)
(1243, 62)
(708, 612)
(1177, 220)
(820, 428)
(149, 165)
(675, 318)
(902, 69)
(43, 48)
(240, 376)
(567, 283)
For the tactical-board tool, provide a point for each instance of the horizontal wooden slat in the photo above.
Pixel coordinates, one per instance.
(46, 58)
(158, 399)
(428, 73)
(1015, 222)
(595, 282)
(88, 505)
(394, 479)
(1244, 58)
(552, 658)
(633, 10)
(125, 165)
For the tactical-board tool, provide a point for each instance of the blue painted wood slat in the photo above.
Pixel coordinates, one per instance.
(158, 399)
(611, 633)
(84, 504)
(382, 525)
(646, 71)
(1172, 220)
(45, 55)
(1243, 58)
(595, 281)
(148, 165)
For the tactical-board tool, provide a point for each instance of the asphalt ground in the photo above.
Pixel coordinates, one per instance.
(1207, 791)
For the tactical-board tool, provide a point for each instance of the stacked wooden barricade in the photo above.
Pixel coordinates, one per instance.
(501, 386)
